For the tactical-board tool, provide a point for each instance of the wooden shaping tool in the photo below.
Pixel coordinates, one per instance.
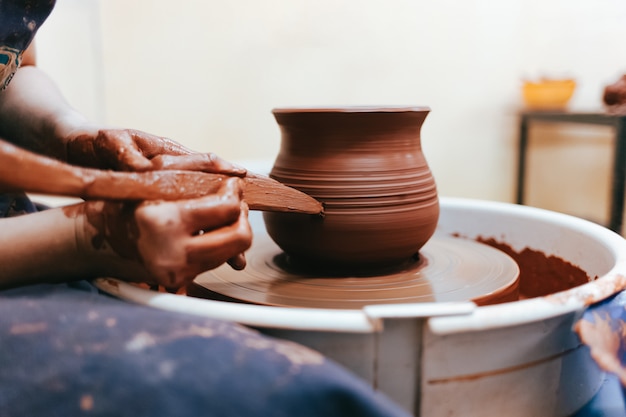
(21, 170)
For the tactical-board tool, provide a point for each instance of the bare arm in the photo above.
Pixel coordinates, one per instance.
(33, 112)
(39, 247)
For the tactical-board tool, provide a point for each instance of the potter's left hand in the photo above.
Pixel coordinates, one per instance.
(134, 150)
(166, 243)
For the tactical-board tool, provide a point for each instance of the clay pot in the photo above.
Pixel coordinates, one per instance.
(365, 164)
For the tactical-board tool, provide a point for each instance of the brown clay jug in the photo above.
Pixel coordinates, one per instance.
(366, 165)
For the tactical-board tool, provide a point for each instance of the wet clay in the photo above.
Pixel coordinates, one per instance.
(113, 226)
(366, 165)
(541, 274)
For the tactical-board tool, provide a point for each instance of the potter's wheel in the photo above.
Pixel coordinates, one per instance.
(449, 269)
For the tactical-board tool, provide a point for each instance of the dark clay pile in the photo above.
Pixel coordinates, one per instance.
(541, 274)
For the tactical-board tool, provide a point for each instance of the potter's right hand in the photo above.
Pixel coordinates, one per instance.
(167, 243)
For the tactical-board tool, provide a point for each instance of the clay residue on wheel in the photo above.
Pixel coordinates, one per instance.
(541, 274)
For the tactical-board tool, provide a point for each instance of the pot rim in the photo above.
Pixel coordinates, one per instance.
(352, 109)
(444, 318)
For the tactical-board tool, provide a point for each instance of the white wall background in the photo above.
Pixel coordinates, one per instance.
(208, 73)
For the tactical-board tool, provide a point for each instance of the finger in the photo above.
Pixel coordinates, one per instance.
(217, 247)
(153, 145)
(205, 162)
(238, 262)
(120, 151)
(222, 245)
(213, 211)
(166, 153)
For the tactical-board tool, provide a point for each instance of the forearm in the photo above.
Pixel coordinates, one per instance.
(35, 115)
(41, 247)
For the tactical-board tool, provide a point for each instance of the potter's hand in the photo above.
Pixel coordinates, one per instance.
(134, 150)
(168, 243)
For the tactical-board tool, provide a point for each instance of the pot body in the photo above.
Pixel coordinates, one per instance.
(367, 167)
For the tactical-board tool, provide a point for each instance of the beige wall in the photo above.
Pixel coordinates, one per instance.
(69, 47)
(207, 73)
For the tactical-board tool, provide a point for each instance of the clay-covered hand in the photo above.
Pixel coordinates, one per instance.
(134, 150)
(167, 243)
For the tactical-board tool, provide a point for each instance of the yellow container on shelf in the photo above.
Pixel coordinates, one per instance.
(548, 94)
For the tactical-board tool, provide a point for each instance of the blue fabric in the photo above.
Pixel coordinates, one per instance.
(15, 204)
(609, 401)
(67, 350)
